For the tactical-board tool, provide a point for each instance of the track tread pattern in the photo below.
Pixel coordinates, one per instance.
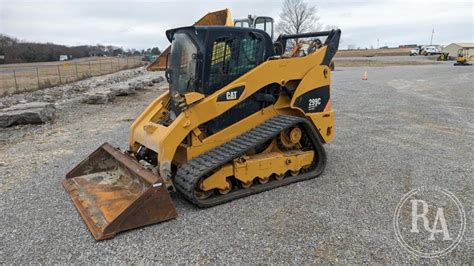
(190, 173)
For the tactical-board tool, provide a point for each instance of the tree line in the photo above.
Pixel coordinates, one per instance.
(297, 16)
(16, 51)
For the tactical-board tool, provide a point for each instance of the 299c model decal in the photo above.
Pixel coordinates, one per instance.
(313, 101)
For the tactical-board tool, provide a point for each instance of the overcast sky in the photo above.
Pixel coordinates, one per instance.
(141, 24)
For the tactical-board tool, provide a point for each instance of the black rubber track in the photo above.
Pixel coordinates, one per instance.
(190, 173)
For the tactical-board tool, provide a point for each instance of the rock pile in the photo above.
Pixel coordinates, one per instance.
(107, 94)
(27, 113)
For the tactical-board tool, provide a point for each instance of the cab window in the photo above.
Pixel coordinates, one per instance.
(231, 57)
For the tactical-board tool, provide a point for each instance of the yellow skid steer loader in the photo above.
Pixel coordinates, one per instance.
(240, 117)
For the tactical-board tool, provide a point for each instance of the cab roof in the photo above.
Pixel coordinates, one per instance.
(170, 33)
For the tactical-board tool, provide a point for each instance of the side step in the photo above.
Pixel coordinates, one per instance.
(114, 193)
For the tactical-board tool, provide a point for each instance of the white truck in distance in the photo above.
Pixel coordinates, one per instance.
(63, 57)
(425, 50)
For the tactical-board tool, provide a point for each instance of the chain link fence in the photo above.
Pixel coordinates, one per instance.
(16, 78)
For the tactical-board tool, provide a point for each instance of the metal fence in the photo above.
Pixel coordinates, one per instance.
(16, 78)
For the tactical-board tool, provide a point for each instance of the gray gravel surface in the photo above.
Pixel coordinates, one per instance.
(404, 128)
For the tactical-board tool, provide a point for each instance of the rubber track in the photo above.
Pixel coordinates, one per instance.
(189, 174)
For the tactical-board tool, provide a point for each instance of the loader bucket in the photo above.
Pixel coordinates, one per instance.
(114, 193)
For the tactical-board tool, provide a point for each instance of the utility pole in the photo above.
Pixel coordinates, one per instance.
(432, 33)
(377, 43)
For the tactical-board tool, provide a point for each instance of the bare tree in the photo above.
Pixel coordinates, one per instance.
(297, 16)
(331, 27)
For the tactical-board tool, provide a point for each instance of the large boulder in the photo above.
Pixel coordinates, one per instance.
(102, 97)
(123, 90)
(27, 113)
(137, 85)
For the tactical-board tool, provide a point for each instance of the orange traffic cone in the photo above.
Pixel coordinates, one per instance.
(365, 76)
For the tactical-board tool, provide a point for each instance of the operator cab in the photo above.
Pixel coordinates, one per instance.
(204, 59)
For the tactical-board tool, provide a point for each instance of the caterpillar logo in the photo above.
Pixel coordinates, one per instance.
(231, 95)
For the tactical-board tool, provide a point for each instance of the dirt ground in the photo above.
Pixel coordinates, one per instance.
(405, 127)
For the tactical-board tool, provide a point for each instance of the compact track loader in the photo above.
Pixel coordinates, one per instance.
(242, 115)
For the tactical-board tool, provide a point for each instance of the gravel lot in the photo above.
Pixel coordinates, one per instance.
(406, 127)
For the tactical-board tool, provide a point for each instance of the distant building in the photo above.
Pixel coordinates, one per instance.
(453, 48)
(408, 46)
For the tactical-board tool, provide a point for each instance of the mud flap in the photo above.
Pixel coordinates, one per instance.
(114, 193)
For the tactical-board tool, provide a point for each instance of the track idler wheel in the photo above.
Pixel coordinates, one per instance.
(202, 194)
(246, 185)
(294, 173)
(226, 190)
(279, 177)
(291, 137)
(263, 180)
